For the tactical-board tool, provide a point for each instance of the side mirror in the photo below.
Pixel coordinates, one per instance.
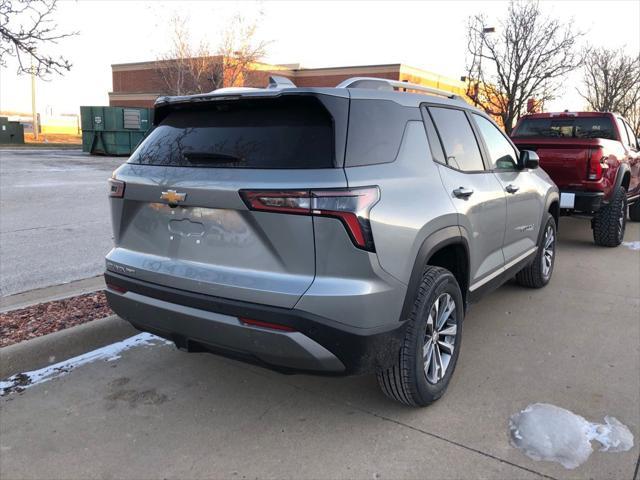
(528, 159)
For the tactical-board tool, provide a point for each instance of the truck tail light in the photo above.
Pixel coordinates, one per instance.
(350, 205)
(116, 188)
(595, 164)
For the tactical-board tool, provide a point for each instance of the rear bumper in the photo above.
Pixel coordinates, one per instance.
(584, 202)
(197, 322)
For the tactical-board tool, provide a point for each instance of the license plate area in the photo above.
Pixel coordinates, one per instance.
(567, 200)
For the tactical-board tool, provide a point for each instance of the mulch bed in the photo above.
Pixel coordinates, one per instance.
(44, 318)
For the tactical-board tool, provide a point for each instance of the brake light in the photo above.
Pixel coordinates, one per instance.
(116, 188)
(595, 164)
(351, 206)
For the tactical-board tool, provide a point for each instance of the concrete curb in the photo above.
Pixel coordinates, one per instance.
(51, 293)
(58, 346)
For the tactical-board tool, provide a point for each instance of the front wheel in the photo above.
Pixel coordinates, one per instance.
(538, 273)
(431, 345)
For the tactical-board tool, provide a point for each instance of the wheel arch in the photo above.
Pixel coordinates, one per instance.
(448, 248)
(552, 206)
(623, 177)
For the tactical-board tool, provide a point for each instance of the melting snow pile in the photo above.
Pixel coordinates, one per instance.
(632, 245)
(550, 433)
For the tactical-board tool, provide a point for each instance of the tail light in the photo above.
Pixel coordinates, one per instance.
(595, 164)
(116, 188)
(351, 206)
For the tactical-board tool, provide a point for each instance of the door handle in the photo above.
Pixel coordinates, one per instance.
(463, 192)
(512, 188)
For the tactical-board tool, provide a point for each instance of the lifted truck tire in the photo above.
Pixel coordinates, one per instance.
(610, 221)
(634, 211)
(422, 372)
(538, 273)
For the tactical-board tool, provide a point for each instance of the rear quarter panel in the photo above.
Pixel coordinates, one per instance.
(413, 202)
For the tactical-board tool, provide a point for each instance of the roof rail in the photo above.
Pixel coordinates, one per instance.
(387, 84)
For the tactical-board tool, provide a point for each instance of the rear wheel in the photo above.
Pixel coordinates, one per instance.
(431, 345)
(538, 273)
(634, 211)
(610, 221)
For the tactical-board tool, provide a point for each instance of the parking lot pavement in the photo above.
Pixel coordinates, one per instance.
(55, 225)
(159, 413)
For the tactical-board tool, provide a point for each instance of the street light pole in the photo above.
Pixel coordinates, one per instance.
(483, 34)
(34, 113)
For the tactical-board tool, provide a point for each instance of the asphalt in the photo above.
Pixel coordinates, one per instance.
(55, 225)
(155, 412)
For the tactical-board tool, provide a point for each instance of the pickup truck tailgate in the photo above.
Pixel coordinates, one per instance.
(566, 162)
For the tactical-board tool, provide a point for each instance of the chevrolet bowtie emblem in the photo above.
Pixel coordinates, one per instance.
(173, 197)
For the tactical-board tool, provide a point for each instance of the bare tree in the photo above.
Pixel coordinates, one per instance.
(26, 28)
(187, 69)
(526, 58)
(612, 82)
(633, 115)
(240, 50)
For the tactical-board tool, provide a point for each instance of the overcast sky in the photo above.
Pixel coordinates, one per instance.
(428, 35)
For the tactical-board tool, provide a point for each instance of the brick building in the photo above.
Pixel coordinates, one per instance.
(139, 84)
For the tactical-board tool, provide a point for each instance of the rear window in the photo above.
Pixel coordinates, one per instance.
(571, 127)
(282, 133)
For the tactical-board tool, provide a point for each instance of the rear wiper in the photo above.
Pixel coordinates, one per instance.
(211, 157)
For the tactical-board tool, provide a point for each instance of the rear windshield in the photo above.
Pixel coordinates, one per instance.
(294, 132)
(572, 127)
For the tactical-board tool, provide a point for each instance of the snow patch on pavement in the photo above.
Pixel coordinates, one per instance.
(553, 434)
(632, 245)
(109, 353)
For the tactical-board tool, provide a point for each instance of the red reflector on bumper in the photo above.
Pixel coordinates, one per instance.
(116, 288)
(259, 323)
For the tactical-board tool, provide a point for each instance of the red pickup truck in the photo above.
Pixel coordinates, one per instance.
(594, 158)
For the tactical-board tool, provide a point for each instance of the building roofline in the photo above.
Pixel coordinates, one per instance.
(135, 96)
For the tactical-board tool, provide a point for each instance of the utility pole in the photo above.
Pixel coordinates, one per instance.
(34, 113)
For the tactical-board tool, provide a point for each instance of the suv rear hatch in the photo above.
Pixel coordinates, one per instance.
(570, 148)
(181, 221)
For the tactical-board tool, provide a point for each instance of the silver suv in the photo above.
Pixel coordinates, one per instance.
(327, 230)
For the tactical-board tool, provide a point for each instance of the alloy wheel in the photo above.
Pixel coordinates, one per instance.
(440, 338)
(548, 251)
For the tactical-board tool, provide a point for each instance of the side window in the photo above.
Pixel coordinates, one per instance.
(503, 155)
(624, 135)
(460, 145)
(434, 142)
(633, 141)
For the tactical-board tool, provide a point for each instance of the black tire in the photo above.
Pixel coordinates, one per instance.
(634, 211)
(538, 273)
(611, 220)
(407, 380)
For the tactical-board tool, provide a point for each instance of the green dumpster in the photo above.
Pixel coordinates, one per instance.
(11, 132)
(113, 130)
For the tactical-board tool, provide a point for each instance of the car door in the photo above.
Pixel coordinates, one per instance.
(475, 192)
(524, 201)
